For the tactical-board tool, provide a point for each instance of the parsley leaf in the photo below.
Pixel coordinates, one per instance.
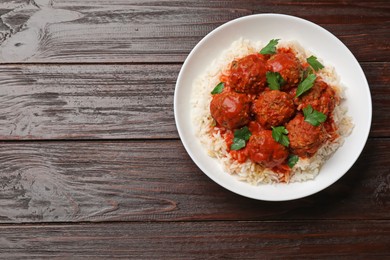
(279, 134)
(306, 84)
(313, 116)
(274, 80)
(306, 72)
(270, 48)
(241, 136)
(218, 89)
(292, 160)
(243, 133)
(314, 63)
(238, 144)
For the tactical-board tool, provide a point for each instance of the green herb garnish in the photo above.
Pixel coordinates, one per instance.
(292, 160)
(274, 80)
(279, 134)
(238, 144)
(306, 84)
(314, 63)
(218, 89)
(270, 48)
(241, 136)
(313, 116)
(306, 73)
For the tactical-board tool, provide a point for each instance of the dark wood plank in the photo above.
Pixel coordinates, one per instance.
(379, 80)
(115, 101)
(156, 180)
(107, 31)
(164, 31)
(200, 240)
(63, 102)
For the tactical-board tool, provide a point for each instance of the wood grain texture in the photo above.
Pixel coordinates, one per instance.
(149, 31)
(157, 181)
(202, 240)
(63, 102)
(116, 101)
(379, 81)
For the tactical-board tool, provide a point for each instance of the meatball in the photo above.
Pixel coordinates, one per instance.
(230, 109)
(273, 108)
(321, 97)
(263, 149)
(305, 139)
(288, 67)
(247, 75)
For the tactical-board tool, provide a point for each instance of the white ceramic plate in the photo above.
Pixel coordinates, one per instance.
(324, 45)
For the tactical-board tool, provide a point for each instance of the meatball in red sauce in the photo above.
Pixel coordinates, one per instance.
(305, 139)
(263, 149)
(247, 75)
(273, 108)
(321, 97)
(288, 67)
(230, 109)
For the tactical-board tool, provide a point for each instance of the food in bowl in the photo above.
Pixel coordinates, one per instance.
(271, 112)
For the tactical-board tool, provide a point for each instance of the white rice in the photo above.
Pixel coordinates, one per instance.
(305, 169)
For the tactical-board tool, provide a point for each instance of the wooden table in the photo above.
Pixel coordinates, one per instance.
(91, 164)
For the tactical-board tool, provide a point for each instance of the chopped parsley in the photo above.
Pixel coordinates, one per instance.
(314, 63)
(270, 48)
(306, 84)
(274, 80)
(313, 116)
(218, 89)
(241, 136)
(292, 160)
(279, 134)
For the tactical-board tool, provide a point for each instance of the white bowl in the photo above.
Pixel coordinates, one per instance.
(323, 44)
